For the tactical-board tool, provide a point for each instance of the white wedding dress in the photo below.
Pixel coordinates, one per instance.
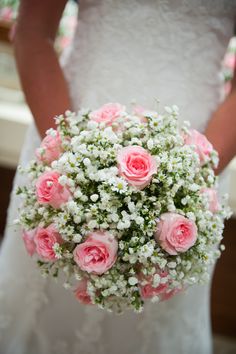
(170, 50)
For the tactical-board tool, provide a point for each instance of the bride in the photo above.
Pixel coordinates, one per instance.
(166, 49)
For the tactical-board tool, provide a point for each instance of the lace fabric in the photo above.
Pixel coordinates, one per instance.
(149, 50)
(122, 50)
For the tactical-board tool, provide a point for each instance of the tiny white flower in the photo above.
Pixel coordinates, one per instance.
(150, 144)
(210, 179)
(77, 219)
(92, 224)
(84, 198)
(115, 217)
(105, 293)
(94, 197)
(171, 264)
(194, 187)
(54, 164)
(123, 225)
(87, 161)
(121, 245)
(131, 207)
(104, 225)
(51, 132)
(57, 249)
(92, 125)
(62, 180)
(133, 281)
(139, 220)
(155, 299)
(77, 238)
(222, 247)
(164, 280)
(78, 193)
(171, 207)
(156, 280)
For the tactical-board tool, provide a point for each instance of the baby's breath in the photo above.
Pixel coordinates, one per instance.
(102, 199)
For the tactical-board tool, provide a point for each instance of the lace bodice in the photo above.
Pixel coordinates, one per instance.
(170, 50)
(146, 50)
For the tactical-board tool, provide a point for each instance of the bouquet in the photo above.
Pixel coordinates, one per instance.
(123, 207)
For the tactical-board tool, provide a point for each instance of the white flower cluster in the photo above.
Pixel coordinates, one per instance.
(102, 199)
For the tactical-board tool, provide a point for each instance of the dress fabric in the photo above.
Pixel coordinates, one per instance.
(147, 50)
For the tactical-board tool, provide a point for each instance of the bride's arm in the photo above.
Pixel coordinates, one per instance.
(221, 129)
(41, 76)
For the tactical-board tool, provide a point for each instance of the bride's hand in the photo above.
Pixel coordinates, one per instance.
(41, 76)
(221, 129)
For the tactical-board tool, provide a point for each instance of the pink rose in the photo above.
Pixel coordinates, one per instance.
(50, 149)
(81, 292)
(147, 290)
(136, 165)
(212, 197)
(50, 191)
(108, 113)
(202, 146)
(175, 233)
(28, 238)
(97, 253)
(45, 239)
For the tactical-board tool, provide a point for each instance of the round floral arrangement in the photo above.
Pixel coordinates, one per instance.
(123, 206)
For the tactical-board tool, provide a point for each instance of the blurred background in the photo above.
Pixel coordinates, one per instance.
(15, 118)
